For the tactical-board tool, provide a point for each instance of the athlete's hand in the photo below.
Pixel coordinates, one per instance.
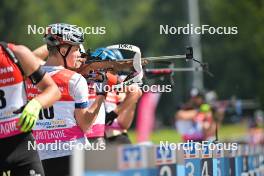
(205, 108)
(106, 83)
(29, 115)
(110, 117)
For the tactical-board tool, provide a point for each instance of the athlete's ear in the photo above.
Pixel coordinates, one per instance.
(63, 50)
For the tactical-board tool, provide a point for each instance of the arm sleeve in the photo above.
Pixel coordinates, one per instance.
(79, 90)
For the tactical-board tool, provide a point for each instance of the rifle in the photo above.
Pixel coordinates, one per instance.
(93, 64)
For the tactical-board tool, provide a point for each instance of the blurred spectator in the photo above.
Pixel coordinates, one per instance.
(205, 121)
(185, 124)
(256, 132)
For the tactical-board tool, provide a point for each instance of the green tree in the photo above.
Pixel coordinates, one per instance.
(236, 60)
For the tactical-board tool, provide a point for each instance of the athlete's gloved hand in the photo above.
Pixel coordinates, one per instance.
(205, 108)
(105, 84)
(29, 115)
(110, 117)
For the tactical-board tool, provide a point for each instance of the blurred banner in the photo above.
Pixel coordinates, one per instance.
(146, 116)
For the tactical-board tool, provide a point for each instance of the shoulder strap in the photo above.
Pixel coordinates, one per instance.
(11, 55)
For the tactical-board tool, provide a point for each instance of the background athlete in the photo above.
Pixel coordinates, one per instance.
(15, 128)
(119, 107)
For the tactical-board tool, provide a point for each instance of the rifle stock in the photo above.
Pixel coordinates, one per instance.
(107, 65)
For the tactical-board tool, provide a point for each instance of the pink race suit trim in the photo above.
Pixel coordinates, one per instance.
(96, 131)
(64, 134)
(9, 128)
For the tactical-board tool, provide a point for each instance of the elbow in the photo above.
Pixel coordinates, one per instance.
(88, 122)
(123, 124)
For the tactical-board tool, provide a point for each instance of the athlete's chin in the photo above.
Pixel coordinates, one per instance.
(77, 64)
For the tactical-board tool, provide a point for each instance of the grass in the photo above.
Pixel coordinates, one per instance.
(226, 132)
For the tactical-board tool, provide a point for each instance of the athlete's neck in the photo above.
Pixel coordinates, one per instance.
(54, 61)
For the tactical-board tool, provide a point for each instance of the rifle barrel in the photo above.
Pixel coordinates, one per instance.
(165, 58)
(149, 59)
(164, 70)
